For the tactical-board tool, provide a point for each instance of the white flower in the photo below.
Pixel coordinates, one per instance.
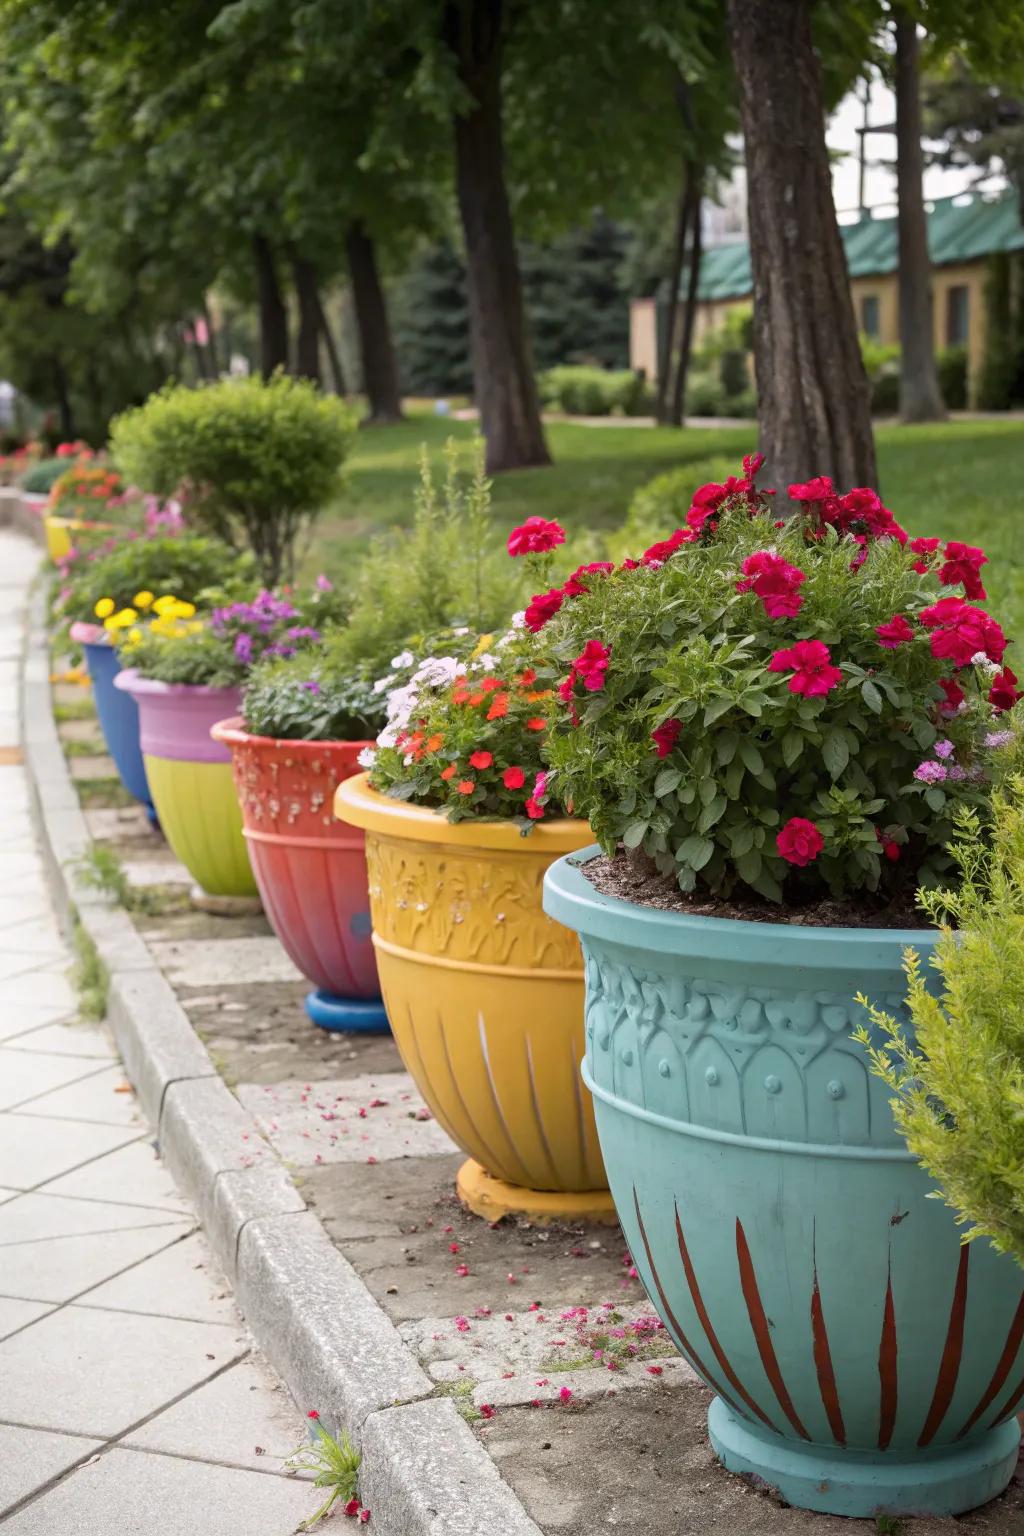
(381, 683)
(519, 619)
(979, 659)
(487, 661)
(403, 659)
(463, 631)
(367, 758)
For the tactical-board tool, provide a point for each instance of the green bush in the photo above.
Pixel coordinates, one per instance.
(885, 391)
(40, 479)
(732, 370)
(704, 396)
(184, 566)
(254, 461)
(959, 1085)
(951, 363)
(582, 391)
(448, 568)
(660, 506)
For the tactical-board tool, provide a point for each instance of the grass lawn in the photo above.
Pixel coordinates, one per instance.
(962, 480)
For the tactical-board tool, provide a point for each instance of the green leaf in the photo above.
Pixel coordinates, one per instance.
(695, 851)
(751, 756)
(716, 709)
(634, 834)
(733, 778)
(725, 746)
(835, 752)
(792, 746)
(749, 866)
(936, 798)
(712, 812)
(707, 789)
(767, 885)
(668, 780)
(871, 696)
(742, 839)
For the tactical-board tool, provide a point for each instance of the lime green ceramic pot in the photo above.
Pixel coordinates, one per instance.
(190, 779)
(863, 1360)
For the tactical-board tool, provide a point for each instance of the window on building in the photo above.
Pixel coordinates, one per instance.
(958, 315)
(870, 320)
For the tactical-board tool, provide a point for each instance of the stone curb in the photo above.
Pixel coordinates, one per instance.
(424, 1473)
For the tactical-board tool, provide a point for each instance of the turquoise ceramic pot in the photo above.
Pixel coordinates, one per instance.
(864, 1362)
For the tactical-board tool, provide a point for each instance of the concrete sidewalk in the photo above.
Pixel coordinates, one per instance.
(130, 1396)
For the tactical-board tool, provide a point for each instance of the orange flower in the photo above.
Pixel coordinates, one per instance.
(477, 698)
(536, 724)
(434, 742)
(460, 696)
(526, 678)
(499, 707)
(534, 698)
(465, 786)
(492, 685)
(450, 771)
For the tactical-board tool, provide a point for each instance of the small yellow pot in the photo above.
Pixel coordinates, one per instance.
(60, 532)
(485, 997)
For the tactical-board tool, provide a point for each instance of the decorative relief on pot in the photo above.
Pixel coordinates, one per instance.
(751, 1060)
(471, 904)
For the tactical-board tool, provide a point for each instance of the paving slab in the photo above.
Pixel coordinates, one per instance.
(98, 1373)
(30, 1458)
(27, 1075)
(36, 1148)
(180, 1281)
(132, 1175)
(16, 1313)
(134, 1493)
(19, 1017)
(65, 1040)
(103, 1097)
(380, 1116)
(206, 962)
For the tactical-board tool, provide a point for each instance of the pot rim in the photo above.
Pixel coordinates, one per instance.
(85, 632)
(130, 681)
(361, 806)
(61, 521)
(232, 733)
(571, 899)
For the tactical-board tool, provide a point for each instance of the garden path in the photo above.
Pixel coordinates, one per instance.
(130, 1396)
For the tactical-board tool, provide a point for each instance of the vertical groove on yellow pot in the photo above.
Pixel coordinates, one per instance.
(200, 818)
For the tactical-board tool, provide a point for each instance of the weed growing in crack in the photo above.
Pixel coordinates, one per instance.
(336, 1464)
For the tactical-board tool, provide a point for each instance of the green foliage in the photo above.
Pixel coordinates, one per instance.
(431, 323)
(958, 1076)
(186, 566)
(951, 364)
(100, 869)
(89, 975)
(447, 569)
(256, 461)
(306, 698)
(751, 753)
(660, 506)
(587, 391)
(335, 1462)
(38, 480)
(1000, 382)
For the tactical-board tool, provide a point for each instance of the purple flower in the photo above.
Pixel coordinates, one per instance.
(944, 749)
(311, 686)
(998, 738)
(323, 585)
(931, 773)
(243, 649)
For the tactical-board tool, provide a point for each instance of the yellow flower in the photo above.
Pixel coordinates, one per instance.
(195, 627)
(164, 604)
(123, 619)
(134, 635)
(182, 610)
(483, 645)
(143, 600)
(104, 608)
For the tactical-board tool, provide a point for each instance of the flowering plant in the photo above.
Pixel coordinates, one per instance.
(792, 706)
(219, 649)
(190, 563)
(87, 490)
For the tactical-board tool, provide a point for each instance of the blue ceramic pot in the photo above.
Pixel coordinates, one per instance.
(863, 1361)
(119, 720)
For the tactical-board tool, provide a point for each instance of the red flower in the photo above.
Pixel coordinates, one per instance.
(575, 586)
(538, 723)
(960, 632)
(534, 809)
(513, 778)
(954, 696)
(450, 771)
(810, 663)
(799, 842)
(352, 1508)
(962, 564)
(527, 678)
(752, 464)
(665, 736)
(499, 707)
(896, 632)
(565, 1394)
(813, 491)
(542, 607)
(535, 537)
(487, 1410)
(1004, 692)
(665, 548)
(481, 759)
(924, 547)
(775, 582)
(313, 1412)
(592, 664)
(890, 848)
(465, 786)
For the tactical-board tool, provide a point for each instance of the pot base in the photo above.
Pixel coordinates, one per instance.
(494, 1198)
(944, 1481)
(223, 906)
(352, 1015)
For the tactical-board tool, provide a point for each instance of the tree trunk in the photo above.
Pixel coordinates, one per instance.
(675, 278)
(380, 371)
(211, 342)
(920, 397)
(273, 315)
(307, 362)
(333, 355)
(503, 377)
(696, 193)
(63, 397)
(814, 408)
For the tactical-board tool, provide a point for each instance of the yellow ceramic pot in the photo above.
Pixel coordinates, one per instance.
(485, 997)
(60, 533)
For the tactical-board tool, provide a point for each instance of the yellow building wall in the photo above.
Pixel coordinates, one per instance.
(710, 316)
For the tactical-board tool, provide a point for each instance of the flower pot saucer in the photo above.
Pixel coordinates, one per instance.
(352, 1015)
(494, 1198)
